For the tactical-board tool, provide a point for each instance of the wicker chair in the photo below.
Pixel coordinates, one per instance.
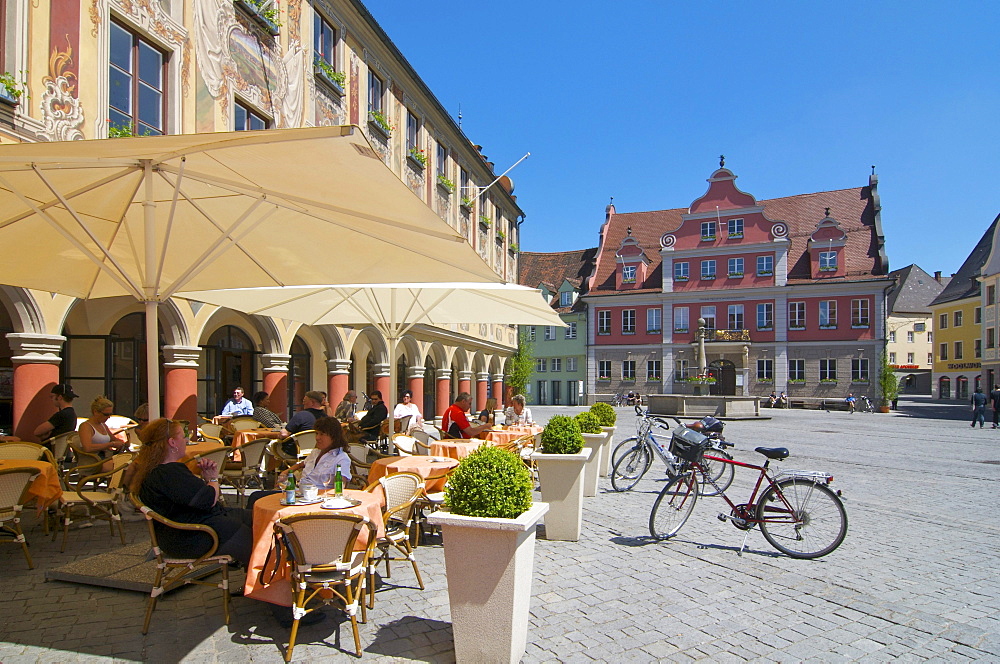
(243, 423)
(96, 503)
(216, 454)
(325, 565)
(305, 442)
(172, 572)
(210, 429)
(405, 445)
(14, 483)
(428, 503)
(401, 491)
(26, 451)
(239, 473)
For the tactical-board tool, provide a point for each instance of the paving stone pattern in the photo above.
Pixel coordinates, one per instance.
(916, 578)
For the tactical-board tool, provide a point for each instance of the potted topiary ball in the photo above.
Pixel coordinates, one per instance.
(594, 439)
(605, 412)
(560, 464)
(488, 529)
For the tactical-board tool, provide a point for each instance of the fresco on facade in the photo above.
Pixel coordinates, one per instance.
(251, 64)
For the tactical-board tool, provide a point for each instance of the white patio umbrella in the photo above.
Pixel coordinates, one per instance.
(393, 309)
(147, 217)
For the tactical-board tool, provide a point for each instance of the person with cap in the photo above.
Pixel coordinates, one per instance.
(64, 420)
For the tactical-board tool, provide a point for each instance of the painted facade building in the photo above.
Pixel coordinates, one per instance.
(909, 328)
(792, 291)
(560, 354)
(960, 329)
(118, 68)
(989, 284)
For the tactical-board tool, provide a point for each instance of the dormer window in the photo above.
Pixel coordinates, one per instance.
(682, 271)
(565, 298)
(735, 228)
(707, 230)
(628, 274)
(828, 261)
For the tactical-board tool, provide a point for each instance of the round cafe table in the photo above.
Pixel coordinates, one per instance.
(195, 449)
(456, 449)
(266, 513)
(45, 488)
(509, 434)
(424, 466)
(248, 435)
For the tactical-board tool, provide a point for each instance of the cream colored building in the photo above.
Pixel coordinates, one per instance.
(910, 329)
(166, 67)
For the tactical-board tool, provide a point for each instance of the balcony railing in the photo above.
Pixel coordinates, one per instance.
(730, 335)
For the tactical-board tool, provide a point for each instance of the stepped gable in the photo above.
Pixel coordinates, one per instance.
(552, 269)
(856, 211)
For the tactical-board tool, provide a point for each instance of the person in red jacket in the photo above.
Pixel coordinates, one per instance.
(456, 424)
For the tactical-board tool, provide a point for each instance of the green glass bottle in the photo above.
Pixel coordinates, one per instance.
(338, 484)
(290, 490)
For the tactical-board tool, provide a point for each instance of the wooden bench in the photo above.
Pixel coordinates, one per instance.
(818, 403)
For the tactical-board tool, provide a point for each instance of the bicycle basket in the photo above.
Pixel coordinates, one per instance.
(688, 444)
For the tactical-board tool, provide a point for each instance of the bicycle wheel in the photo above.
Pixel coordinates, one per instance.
(631, 467)
(673, 506)
(621, 448)
(721, 473)
(801, 518)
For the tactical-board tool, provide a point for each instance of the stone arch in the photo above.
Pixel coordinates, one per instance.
(25, 314)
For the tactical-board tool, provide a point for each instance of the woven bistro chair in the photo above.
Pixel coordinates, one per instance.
(325, 566)
(210, 429)
(428, 503)
(401, 491)
(26, 451)
(244, 423)
(14, 483)
(173, 572)
(96, 503)
(405, 445)
(239, 473)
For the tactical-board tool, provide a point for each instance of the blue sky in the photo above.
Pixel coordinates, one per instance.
(636, 100)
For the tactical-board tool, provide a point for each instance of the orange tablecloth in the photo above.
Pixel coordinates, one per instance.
(456, 449)
(45, 488)
(247, 435)
(266, 513)
(509, 435)
(420, 465)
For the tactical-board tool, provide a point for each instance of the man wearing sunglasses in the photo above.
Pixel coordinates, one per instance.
(238, 405)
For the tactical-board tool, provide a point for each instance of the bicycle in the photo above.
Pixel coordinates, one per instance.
(798, 514)
(634, 456)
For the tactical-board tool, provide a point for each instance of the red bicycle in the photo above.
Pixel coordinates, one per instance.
(797, 512)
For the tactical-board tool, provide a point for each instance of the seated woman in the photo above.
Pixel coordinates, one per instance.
(518, 413)
(407, 407)
(95, 435)
(262, 411)
(488, 416)
(169, 488)
(320, 467)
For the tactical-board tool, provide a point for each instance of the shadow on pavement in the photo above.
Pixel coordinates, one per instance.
(929, 408)
(392, 640)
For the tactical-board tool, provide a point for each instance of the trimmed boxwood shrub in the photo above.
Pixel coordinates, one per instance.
(562, 436)
(605, 413)
(588, 422)
(490, 482)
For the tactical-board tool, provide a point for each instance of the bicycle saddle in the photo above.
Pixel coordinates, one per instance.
(777, 453)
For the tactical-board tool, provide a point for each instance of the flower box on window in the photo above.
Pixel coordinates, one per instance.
(707, 238)
(765, 273)
(417, 158)
(628, 331)
(860, 381)
(735, 275)
(828, 381)
(467, 203)
(859, 327)
(604, 378)
(654, 330)
(265, 18)
(484, 221)
(325, 72)
(832, 268)
(828, 327)
(766, 328)
(603, 332)
(797, 327)
(765, 380)
(735, 236)
(796, 381)
(708, 277)
(628, 280)
(680, 278)
(680, 330)
(378, 121)
(445, 184)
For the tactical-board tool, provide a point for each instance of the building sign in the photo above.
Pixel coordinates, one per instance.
(964, 365)
(904, 366)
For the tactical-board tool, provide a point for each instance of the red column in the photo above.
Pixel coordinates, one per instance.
(443, 393)
(498, 393)
(382, 382)
(415, 384)
(482, 385)
(336, 387)
(36, 359)
(180, 382)
(465, 381)
(276, 386)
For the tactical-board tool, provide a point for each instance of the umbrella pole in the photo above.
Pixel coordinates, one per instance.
(152, 359)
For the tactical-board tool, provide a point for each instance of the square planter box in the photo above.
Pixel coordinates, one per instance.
(560, 477)
(595, 443)
(489, 564)
(606, 451)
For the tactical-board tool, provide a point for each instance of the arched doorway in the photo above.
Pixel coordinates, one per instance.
(230, 361)
(944, 388)
(724, 372)
(962, 388)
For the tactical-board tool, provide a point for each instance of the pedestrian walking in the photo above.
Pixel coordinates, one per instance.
(978, 408)
(995, 400)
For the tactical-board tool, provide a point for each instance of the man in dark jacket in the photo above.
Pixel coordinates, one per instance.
(978, 408)
(995, 399)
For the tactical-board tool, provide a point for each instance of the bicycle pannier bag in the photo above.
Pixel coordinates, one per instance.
(688, 444)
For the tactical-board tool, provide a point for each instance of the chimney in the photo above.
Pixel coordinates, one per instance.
(937, 276)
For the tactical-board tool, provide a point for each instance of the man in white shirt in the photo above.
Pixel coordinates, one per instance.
(238, 405)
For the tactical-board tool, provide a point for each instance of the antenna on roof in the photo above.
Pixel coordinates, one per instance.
(460, 115)
(873, 169)
(722, 161)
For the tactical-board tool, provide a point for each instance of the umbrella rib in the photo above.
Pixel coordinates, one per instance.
(258, 191)
(203, 261)
(69, 196)
(132, 244)
(170, 221)
(122, 279)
